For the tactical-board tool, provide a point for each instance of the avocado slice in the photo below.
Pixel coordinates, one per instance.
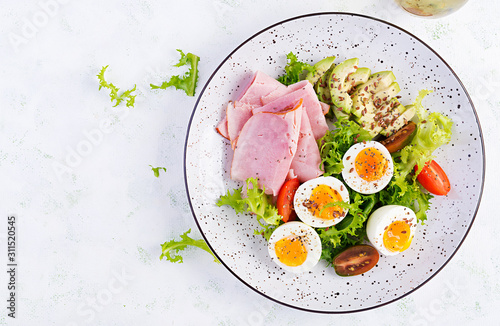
(360, 76)
(385, 95)
(320, 68)
(339, 114)
(367, 119)
(400, 122)
(386, 119)
(392, 105)
(339, 88)
(322, 89)
(377, 83)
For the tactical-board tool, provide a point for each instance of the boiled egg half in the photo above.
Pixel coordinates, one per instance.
(368, 167)
(313, 201)
(391, 228)
(295, 247)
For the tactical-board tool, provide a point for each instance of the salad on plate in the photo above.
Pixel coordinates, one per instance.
(334, 166)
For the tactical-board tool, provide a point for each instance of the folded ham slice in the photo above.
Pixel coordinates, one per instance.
(273, 130)
(281, 91)
(240, 111)
(266, 146)
(260, 86)
(325, 107)
(311, 105)
(222, 128)
(306, 162)
(237, 115)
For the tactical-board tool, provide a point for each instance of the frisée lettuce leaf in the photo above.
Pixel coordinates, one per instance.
(433, 130)
(187, 82)
(255, 201)
(294, 70)
(351, 230)
(127, 95)
(170, 250)
(336, 142)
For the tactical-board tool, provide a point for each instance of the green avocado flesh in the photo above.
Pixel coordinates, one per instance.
(355, 93)
(401, 121)
(375, 105)
(322, 89)
(364, 93)
(360, 76)
(320, 68)
(339, 88)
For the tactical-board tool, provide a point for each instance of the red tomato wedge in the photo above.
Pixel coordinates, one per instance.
(355, 260)
(285, 200)
(434, 179)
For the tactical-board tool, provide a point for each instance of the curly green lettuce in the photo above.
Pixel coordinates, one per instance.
(336, 142)
(187, 82)
(294, 70)
(255, 201)
(170, 250)
(406, 193)
(433, 130)
(127, 95)
(351, 230)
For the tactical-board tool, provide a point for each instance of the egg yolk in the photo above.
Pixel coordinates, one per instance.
(320, 197)
(397, 237)
(291, 251)
(370, 164)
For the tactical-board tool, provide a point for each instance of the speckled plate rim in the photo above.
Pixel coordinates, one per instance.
(369, 18)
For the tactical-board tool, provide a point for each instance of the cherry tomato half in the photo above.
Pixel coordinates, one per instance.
(355, 260)
(285, 200)
(434, 179)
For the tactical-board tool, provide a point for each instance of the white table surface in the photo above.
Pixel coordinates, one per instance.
(88, 241)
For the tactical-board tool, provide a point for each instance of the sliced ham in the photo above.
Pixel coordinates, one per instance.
(306, 162)
(260, 86)
(266, 146)
(310, 103)
(281, 91)
(325, 107)
(222, 128)
(237, 115)
(239, 112)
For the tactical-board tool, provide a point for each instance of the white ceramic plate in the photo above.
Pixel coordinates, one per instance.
(379, 46)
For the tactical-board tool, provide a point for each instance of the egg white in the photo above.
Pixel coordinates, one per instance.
(310, 239)
(352, 178)
(382, 218)
(304, 193)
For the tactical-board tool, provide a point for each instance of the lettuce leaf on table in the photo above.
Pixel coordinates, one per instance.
(127, 95)
(187, 82)
(156, 170)
(170, 250)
